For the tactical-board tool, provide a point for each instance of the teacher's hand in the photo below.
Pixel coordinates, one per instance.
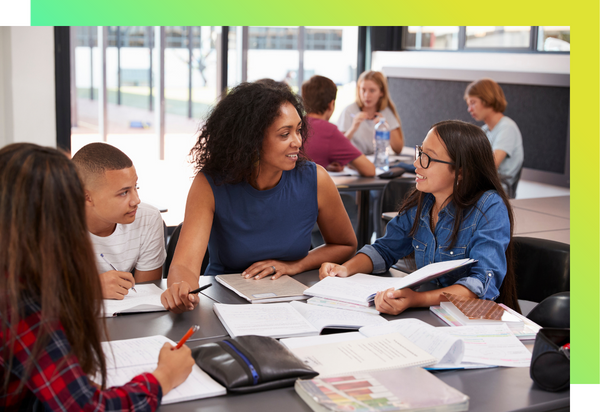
(394, 302)
(177, 299)
(273, 268)
(331, 269)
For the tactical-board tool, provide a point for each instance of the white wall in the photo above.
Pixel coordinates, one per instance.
(27, 95)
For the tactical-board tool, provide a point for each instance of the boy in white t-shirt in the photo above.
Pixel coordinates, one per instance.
(128, 236)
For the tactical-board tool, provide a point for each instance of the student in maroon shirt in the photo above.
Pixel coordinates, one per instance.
(51, 297)
(326, 145)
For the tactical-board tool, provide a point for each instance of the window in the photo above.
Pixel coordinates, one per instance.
(323, 39)
(498, 37)
(554, 38)
(274, 38)
(431, 37)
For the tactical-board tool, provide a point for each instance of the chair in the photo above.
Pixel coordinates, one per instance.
(171, 251)
(392, 196)
(511, 189)
(553, 312)
(541, 268)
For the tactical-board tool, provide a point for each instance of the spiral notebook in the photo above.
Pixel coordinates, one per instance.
(376, 353)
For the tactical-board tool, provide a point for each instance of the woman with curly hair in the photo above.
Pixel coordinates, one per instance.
(255, 198)
(458, 210)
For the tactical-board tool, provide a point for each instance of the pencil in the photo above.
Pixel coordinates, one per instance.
(186, 336)
(114, 268)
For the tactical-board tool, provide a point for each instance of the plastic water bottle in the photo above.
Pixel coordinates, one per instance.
(382, 142)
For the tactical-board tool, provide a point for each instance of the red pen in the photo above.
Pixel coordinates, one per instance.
(186, 336)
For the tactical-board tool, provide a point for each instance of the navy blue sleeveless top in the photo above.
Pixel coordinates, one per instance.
(251, 225)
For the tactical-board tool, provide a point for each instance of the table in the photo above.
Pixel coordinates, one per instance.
(490, 390)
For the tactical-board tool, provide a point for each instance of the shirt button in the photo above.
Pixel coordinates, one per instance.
(416, 247)
(451, 252)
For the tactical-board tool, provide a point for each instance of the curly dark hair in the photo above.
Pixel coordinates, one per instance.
(230, 141)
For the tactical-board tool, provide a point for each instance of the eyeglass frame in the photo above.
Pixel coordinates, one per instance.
(419, 151)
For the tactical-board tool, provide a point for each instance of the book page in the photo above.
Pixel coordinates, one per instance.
(355, 289)
(147, 299)
(321, 317)
(446, 348)
(277, 320)
(293, 343)
(128, 358)
(491, 345)
(369, 354)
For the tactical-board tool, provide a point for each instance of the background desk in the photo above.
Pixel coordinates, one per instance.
(490, 390)
(542, 218)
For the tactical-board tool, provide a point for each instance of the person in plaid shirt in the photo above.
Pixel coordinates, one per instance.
(51, 297)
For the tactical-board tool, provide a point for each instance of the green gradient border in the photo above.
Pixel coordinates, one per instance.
(582, 16)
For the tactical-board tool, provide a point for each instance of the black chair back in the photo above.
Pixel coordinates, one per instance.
(553, 312)
(512, 189)
(541, 268)
(393, 195)
(171, 251)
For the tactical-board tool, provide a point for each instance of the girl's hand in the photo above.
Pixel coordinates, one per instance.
(173, 367)
(273, 268)
(331, 269)
(394, 302)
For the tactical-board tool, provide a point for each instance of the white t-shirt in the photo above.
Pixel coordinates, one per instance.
(139, 245)
(363, 137)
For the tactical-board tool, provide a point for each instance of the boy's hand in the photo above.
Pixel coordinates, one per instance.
(115, 284)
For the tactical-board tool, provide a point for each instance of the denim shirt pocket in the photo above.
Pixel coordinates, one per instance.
(453, 254)
(420, 248)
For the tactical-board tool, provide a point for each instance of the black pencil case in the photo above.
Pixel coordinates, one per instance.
(550, 366)
(251, 363)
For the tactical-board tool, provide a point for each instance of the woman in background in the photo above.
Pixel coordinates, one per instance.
(458, 210)
(373, 102)
(486, 103)
(51, 297)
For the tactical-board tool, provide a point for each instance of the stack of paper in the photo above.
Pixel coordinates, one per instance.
(264, 290)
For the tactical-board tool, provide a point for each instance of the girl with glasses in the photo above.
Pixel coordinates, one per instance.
(458, 210)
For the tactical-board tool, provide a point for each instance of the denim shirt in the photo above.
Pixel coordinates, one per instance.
(483, 235)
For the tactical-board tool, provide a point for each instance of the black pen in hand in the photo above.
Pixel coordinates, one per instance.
(201, 288)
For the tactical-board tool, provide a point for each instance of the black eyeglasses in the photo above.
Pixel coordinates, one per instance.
(425, 159)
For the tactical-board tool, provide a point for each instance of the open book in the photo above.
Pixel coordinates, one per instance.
(382, 352)
(280, 320)
(360, 289)
(408, 389)
(264, 290)
(446, 348)
(135, 356)
(147, 299)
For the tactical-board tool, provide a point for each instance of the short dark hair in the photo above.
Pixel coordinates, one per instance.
(230, 141)
(317, 93)
(489, 92)
(94, 159)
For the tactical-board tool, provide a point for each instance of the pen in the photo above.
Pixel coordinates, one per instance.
(201, 288)
(114, 268)
(186, 336)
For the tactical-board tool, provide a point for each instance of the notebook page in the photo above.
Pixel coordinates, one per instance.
(277, 320)
(446, 348)
(147, 299)
(322, 317)
(128, 358)
(369, 354)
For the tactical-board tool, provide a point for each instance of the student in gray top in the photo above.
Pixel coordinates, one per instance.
(486, 103)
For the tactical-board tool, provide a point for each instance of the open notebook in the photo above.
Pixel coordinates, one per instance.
(135, 356)
(147, 299)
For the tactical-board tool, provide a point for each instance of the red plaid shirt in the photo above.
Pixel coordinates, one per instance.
(57, 380)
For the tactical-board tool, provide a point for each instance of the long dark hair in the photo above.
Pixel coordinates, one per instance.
(46, 255)
(230, 141)
(471, 152)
